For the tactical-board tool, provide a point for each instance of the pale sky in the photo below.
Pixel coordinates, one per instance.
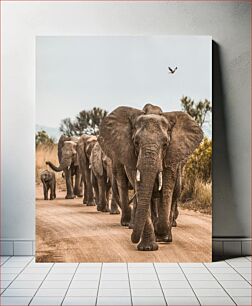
(77, 73)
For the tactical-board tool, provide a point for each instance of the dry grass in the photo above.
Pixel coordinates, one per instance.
(201, 199)
(44, 153)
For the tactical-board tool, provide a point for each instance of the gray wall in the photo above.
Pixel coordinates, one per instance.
(229, 25)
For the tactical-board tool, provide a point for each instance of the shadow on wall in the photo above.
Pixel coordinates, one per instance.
(225, 214)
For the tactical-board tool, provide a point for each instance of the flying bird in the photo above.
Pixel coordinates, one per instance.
(172, 70)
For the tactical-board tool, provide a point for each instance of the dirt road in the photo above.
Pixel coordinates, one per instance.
(68, 231)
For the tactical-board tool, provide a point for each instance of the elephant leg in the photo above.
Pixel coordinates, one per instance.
(175, 197)
(45, 189)
(51, 191)
(164, 223)
(54, 189)
(133, 213)
(89, 188)
(85, 191)
(148, 239)
(77, 184)
(68, 177)
(115, 202)
(96, 191)
(102, 195)
(122, 183)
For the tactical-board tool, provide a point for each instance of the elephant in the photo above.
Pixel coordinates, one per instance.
(101, 167)
(49, 183)
(148, 146)
(84, 148)
(69, 164)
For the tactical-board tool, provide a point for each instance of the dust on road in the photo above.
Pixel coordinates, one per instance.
(68, 231)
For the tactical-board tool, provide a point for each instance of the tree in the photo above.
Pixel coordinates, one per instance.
(42, 137)
(198, 111)
(87, 122)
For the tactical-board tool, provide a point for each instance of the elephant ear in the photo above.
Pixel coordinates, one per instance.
(96, 159)
(61, 142)
(116, 135)
(186, 136)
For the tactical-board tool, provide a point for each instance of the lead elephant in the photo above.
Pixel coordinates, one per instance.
(84, 149)
(101, 167)
(150, 145)
(69, 164)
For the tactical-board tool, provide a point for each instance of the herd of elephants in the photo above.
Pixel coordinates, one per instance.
(142, 150)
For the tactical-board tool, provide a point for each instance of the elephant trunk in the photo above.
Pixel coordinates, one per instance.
(63, 165)
(145, 177)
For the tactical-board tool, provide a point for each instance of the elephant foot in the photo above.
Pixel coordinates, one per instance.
(99, 208)
(147, 246)
(79, 195)
(131, 225)
(105, 209)
(164, 238)
(174, 223)
(70, 196)
(91, 203)
(115, 211)
(125, 221)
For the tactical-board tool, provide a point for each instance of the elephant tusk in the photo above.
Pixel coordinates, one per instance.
(89, 167)
(160, 181)
(138, 175)
(68, 168)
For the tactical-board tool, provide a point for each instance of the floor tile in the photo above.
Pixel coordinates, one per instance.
(178, 292)
(144, 284)
(62, 265)
(40, 265)
(235, 284)
(104, 300)
(146, 292)
(25, 284)
(9, 270)
(114, 292)
(192, 265)
(142, 271)
(51, 292)
(55, 284)
(243, 270)
(248, 277)
(63, 270)
(85, 284)
(58, 277)
(140, 264)
(30, 276)
(14, 264)
(21, 258)
(249, 258)
(115, 276)
(86, 277)
(114, 284)
(201, 276)
(8, 276)
(5, 283)
(196, 270)
(220, 264)
(237, 259)
(47, 300)
(175, 284)
(88, 270)
(80, 300)
(20, 292)
(82, 292)
(243, 300)
(169, 270)
(3, 259)
(220, 300)
(220, 270)
(204, 284)
(239, 291)
(241, 264)
(166, 264)
(210, 292)
(229, 276)
(142, 277)
(157, 300)
(189, 300)
(94, 264)
(172, 276)
(114, 264)
(29, 270)
(15, 300)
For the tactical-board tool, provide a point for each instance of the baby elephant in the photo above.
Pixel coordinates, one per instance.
(49, 182)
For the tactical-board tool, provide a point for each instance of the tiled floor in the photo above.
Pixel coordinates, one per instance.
(24, 282)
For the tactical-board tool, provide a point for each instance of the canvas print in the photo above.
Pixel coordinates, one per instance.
(124, 149)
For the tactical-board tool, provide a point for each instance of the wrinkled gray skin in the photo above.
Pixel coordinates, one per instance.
(69, 164)
(49, 184)
(101, 167)
(84, 148)
(149, 145)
